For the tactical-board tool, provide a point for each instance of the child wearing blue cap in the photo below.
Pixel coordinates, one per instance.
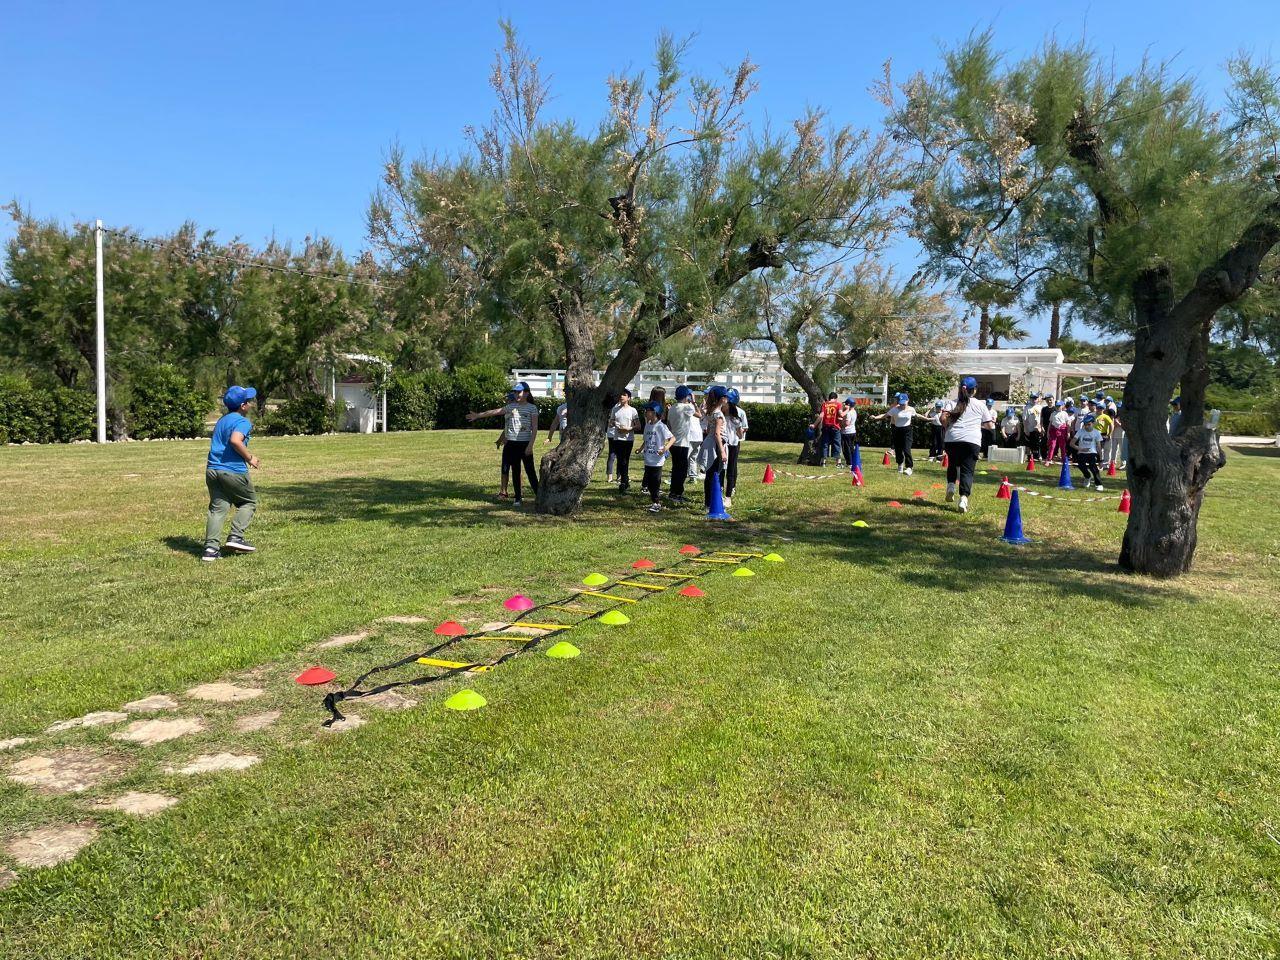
(901, 416)
(1087, 445)
(658, 439)
(682, 417)
(227, 475)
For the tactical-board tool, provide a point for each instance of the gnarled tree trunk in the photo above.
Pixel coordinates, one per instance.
(984, 327)
(1167, 471)
(1055, 324)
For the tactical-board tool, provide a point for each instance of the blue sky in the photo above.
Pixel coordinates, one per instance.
(271, 119)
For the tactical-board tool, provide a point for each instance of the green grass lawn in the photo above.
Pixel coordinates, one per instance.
(905, 741)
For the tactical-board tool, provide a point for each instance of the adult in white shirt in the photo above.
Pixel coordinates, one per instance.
(849, 430)
(520, 432)
(559, 422)
(681, 418)
(1010, 427)
(735, 422)
(901, 416)
(626, 421)
(963, 440)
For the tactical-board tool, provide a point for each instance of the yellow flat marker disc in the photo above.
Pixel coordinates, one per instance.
(563, 651)
(614, 618)
(773, 558)
(595, 579)
(744, 572)
(465, 700)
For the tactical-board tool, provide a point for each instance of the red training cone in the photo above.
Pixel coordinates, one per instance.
(691, 591)
(643, 565)
(1005, 491)
(856, 473)
(314, 676)
(894, 503)
(1031, 464)
(689, 549)
(1111, 469)
(1125, 501)
(918, 494)
(768, 473)
(885, 462)
(451, 628)
(946, 460)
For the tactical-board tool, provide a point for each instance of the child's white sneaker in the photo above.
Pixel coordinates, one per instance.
(1098, 488)
(655, 508)
(951, 492)
(907, 471)
(964, 504)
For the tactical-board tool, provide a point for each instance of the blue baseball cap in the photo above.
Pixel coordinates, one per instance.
(969, 383)
(1035, 396)
(732, 394)
(235, 396)
(1176, 401)
(901, 397)
(1088, 418)
(715, 392)
(683, 392)
(520, 386)
(655, 406)
(991, 401)
(937, 404)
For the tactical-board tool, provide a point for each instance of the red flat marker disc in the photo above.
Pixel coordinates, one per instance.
(643, 565)
(451, 628)
(894, 503)
(918, 493)
(314, 676)
(691, 591)
(689, 548)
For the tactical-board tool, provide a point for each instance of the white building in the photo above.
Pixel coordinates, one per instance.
(759, 377)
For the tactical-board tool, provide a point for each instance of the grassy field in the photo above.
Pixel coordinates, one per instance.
(905, 741)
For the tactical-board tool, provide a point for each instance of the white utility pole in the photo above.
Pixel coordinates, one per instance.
(102, 342)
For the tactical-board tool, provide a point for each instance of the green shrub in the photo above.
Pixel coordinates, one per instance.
(472, 388)
(413, 399)
(1255, 424)
(309, 414)
(923, 383)
(27, 413)
(74, 415)
(777, 421)
(164, 403)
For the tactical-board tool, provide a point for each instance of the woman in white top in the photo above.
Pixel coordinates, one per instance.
(963, 440)
(626, 420)
(735, 432)
(519, 435)
(849, 431)
(902, 415)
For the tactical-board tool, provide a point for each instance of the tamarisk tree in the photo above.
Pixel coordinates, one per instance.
(1154, 210)
(625, 235)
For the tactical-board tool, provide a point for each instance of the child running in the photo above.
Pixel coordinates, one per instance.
(902, 415)
(227, 475)
(1087, 444)
(518, 437)
(658, 439)
(681, 418)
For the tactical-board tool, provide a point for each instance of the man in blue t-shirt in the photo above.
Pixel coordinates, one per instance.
(227, 475)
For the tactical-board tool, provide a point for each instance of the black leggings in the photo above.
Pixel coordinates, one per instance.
(849, 441)
(902, 446)
(1088, 464)
(514, 453)
(622, 450)
(731, 471)
(935, 439)
(713, 472)
(679, 471)
(961, 459)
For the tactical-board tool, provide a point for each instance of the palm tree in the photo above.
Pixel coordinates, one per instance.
(1005, 327)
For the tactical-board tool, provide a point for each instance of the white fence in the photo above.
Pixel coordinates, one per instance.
(753, 386)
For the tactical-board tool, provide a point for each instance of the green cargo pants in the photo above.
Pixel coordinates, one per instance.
(228, 489)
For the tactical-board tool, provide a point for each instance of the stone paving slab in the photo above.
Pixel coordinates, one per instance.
(215, 763)
(390, 700)
(349, 722)
(344, 640)
(150, 732)
(403, 618)
(67, 771)
(100, 718)
(13, 744)
(223, 692)
(48, 846)
(151, 704)
(257, 721)
(138, 804)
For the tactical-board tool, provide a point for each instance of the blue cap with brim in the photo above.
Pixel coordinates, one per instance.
(520, 386)
(683, 392)
(969, 383)
(235, 397)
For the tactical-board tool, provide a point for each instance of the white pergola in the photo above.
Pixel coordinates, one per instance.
(380, 400)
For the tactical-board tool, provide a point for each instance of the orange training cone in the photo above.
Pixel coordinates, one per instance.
(691, 591)
(1125, 501)
(1111, 469)
(768, 473)
(1005, 490)
(1031, 464)
(885, 462)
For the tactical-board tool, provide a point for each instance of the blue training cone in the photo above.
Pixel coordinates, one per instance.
(1013, 523)
(1064, 481)
(856, 466)
(716, 511)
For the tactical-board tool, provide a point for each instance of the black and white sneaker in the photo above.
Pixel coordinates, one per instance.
(239, 546)
(210, 554)
(517, 503)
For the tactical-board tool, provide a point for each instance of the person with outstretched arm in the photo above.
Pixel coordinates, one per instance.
(519, 434)
(227, 475)
(901, 416)
(963, 440)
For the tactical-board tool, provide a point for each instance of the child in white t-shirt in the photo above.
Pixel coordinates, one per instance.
(1087, 446)
(658, 439)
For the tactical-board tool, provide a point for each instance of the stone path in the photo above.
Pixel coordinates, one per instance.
(224, 692)
(47, 846)
(151, 704)
(138, 804)
(216, 762)
(72, 770)
(150, 732)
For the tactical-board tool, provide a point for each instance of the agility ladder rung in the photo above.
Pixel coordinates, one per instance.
(454, 665)
(639, 586)
(537, 626)
(606, 596)
(552, 606)
(674, 576)
(729, 553)
(711, 560)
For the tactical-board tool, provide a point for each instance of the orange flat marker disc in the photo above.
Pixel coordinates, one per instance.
(691, 591)
(314, 676)
(689, 549)
(451, 628)
(643, 565)
(894, 503)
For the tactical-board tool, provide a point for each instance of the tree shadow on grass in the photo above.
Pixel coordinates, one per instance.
(188, 545)
(390, 500)
(1266, 452)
